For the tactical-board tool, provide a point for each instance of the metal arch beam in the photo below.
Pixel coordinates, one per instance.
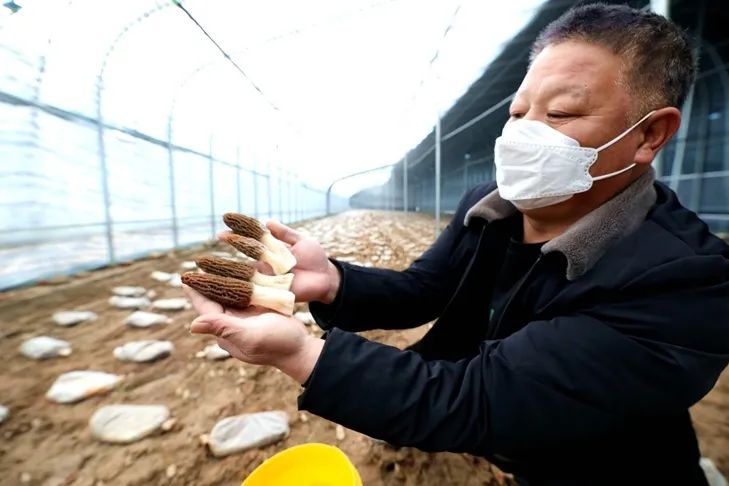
(197, 70)
(100, 126)
(724, 79)
(405, 183)
(275, 38)
(39, 79)
(702, 106)
(180, 86)
(682, 134)
(100, 129)
(171, 158)
(336, 181)
(170, 148)
(202, 67)
(100, 123)
(42, 61)
(545, 7)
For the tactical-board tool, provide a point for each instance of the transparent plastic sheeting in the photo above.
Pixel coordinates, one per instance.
(52, 207)
(53, 202)
(124, 130)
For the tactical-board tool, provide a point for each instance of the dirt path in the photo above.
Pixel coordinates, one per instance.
(50, 444)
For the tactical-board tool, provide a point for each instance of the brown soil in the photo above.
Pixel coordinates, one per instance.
(49, 444)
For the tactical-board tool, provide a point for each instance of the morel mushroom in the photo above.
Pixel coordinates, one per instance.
(232, 292)
(243, 271)
(251, 228)
(258, 251)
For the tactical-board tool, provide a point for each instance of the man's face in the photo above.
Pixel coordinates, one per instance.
(575, 87)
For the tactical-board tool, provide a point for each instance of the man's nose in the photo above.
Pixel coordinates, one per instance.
(535, 115)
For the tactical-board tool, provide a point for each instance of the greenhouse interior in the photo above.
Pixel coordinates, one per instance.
(141, 138)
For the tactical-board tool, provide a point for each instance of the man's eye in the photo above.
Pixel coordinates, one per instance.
(559, 115)
(516, 116)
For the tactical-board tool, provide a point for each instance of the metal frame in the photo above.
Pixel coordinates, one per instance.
(414, 191)
(437, 175)
(101, 126)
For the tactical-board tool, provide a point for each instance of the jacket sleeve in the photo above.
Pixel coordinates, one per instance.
(569, 378)
(374, 298)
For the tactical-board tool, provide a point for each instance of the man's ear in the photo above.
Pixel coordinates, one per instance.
(657, 131)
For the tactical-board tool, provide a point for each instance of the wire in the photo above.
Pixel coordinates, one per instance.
(546, 6)
(436, 54)
(478, 118)
(297, 31)
(227, 56)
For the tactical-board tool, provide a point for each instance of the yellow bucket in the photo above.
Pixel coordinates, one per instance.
(306, 465)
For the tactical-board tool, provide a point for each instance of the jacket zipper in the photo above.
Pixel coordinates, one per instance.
(467, 271)
(495, 329)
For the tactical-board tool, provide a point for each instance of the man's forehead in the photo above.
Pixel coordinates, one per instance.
(556, 87)
(572, 68)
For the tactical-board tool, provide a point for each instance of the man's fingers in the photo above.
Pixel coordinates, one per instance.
(263, 267)
(202, 326)
(202, 304)
(216, 324)
(228, 346)
(250, 311)
(284, 233)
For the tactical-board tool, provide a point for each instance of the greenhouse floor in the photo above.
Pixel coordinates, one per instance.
(43, 443)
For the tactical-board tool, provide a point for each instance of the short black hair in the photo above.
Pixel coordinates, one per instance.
(660, 64)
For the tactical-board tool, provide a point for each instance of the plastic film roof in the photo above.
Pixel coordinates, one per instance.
(327, 88)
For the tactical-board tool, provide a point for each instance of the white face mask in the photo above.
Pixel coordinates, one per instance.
(538, 166)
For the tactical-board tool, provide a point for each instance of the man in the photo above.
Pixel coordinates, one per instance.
(581, 309)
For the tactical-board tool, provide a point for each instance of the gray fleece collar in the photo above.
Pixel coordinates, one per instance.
(586, 241)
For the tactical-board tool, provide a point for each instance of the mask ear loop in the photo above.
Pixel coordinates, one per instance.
(620, 137)
(617, 139)
(606, 176)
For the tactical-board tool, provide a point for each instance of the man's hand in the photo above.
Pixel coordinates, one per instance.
(315, 277)
(257, 336)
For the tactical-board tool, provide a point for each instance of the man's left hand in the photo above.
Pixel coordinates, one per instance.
(257, 336)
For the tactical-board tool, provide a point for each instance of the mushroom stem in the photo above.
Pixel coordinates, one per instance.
(288, 260)
(279, 300)
(280, 264)
(274, 281)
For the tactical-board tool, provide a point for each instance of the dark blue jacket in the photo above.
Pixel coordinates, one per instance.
(588, 375)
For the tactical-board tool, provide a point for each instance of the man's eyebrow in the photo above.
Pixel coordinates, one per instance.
(575, 90)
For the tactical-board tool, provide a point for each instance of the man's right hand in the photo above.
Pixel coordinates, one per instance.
(315, 277)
